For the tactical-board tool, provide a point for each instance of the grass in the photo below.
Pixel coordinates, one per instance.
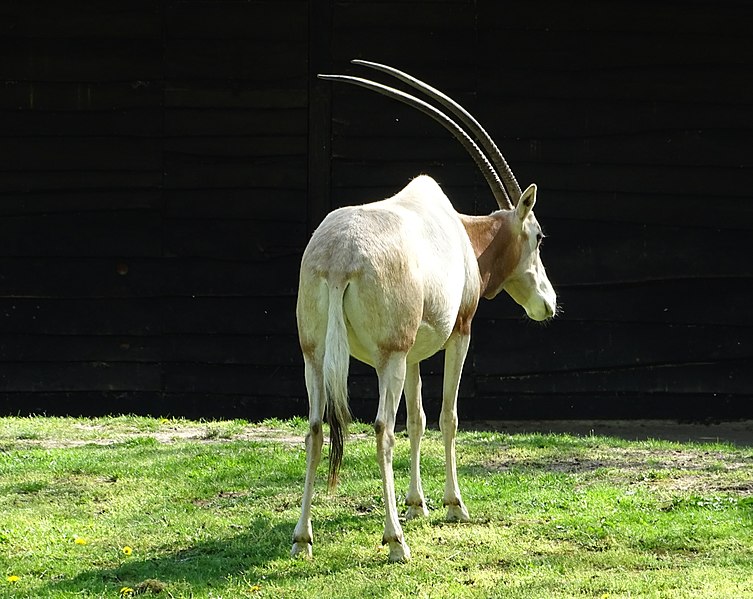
(127, 506)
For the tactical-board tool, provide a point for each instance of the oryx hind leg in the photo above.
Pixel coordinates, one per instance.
(415, 500)
(391, 380)
(456, 350)
(303, 537)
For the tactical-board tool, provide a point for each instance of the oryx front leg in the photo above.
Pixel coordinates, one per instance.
(455, 353)
(391, 380)
(303, 537)
(415, 500)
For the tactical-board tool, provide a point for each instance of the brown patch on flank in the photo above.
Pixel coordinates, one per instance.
(465, 317)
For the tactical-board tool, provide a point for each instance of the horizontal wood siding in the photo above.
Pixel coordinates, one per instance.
(163, 162)
(153, 206)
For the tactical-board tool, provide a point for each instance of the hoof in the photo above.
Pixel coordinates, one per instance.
(416, 511)
(399, 552)
(301, 549)
(457, 513)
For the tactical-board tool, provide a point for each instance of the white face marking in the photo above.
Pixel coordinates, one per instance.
(529, 285)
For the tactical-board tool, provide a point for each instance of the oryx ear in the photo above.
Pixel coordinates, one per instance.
(526, 202)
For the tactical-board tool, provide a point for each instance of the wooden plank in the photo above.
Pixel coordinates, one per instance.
(514, 347)
(130, 19)
(236, 239)
(191, 171)
(253, 350)
(229, 316)
(733, 214)
(593, 50)
(237, 94)
(73, 153)
(724, 377)
(80, 95)
(508, 116)
(131, 277)
(83, 316)
(42, 349)
(660, 84)
(60, 202)
(248, 406)
(95, 234)
(365, 389)
(411, 16)
(609, 406)
(77, 59)
(712, 301)
(440, 34)
(41, 181)
(275, 63)
(263, 204)
(242, 350)
(148, 316)
(150, 403)
(50, 377)
(695, 148)
(268, 126)
(580, 252)
(225, 379)
(615, 16)
(90, 123)
(85, 403)
(257, 20)
(606, 178)
(598, 258)
(256, 407)
(260, 146)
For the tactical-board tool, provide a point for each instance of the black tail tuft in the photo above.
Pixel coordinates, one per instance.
(336, 443)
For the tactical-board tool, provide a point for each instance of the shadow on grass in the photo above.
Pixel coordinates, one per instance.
(208, 565)
(199, 566)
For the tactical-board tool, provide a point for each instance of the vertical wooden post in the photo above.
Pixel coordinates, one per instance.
(320, 113)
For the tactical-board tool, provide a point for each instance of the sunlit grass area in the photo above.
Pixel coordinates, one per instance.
(126, 506)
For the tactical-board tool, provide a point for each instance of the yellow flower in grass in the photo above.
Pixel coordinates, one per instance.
(12, 578)
(126, 592)
(80, 541)
(127, 550)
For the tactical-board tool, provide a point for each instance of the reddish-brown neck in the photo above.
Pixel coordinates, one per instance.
(496, 246)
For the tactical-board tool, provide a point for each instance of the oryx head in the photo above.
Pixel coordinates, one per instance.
(527, 282)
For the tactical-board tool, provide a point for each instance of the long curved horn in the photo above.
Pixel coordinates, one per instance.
(487, 143)
(498, 189)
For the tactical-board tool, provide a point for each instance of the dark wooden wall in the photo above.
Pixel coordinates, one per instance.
(163, 162)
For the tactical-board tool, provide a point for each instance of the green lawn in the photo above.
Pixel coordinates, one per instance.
(128, 506)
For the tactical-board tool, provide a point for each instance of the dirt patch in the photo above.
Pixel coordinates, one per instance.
(85, 434)
(672, 469)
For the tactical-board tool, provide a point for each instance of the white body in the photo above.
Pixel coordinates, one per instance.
(407, 274)
(392, 283)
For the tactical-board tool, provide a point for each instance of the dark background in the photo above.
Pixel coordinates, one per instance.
(163, 163)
